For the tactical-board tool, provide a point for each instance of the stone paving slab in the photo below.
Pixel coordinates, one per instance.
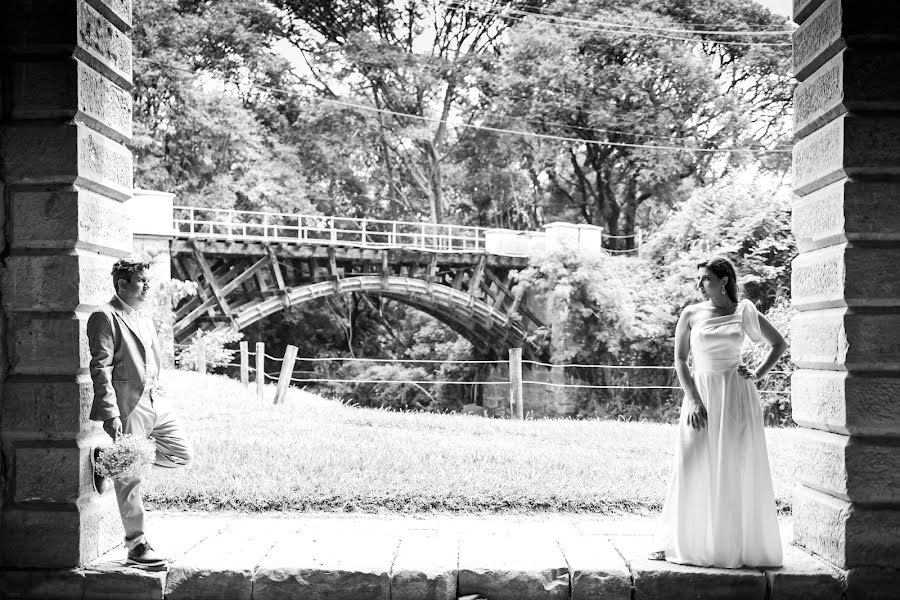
(172, 535)
(222, 566)
(444, 557)
(597, 569)
(30, 584)
(425, 567)
(804, 577)
(333, 560)
(115, 583)
(102, 581)
(655, 579)
(512, 566)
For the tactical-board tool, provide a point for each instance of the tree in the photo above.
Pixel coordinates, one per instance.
(413, 61)
(746, 217)
(619, 95)
(195, 132)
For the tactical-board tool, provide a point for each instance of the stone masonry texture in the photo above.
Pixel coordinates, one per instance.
(845, 285)
(65, 68)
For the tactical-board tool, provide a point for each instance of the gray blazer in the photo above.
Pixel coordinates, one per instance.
(117, 362)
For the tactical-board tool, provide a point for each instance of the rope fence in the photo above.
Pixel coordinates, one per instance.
(467, 362)
(287, 375)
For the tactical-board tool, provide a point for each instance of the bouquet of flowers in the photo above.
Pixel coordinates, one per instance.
(128, 457)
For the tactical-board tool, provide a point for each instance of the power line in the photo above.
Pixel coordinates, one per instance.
(604, 23)
(545, 136)
(592, 16)
(557, 137)
(597, 129)
(526, 17)
(646, 136)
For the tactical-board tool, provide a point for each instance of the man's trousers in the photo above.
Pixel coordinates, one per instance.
(150, 418)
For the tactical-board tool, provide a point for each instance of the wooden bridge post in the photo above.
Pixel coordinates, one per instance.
(287, 371)
(260, 369)
(516, 406)
(245, 364)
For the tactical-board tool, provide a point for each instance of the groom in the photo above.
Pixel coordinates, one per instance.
(125, 366)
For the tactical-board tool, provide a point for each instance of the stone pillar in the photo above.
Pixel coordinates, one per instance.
(846, 285)
(66, 114)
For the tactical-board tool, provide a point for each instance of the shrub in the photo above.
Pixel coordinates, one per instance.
(392, 394)
(213, 345)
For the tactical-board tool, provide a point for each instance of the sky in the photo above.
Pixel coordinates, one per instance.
(781, 7)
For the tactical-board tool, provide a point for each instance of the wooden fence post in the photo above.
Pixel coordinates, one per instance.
(245, 364)
(516, 407)
(260, 369)
(201, 356)
(287, 371)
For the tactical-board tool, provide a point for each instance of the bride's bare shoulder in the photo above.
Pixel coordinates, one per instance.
(692, 308)
(688, 312)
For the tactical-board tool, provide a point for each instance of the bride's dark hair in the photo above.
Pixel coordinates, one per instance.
(722, 267)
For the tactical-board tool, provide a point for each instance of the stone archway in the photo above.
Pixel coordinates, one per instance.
(66, 113)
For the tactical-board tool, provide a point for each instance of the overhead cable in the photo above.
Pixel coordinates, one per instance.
(666, 148)
(592, 17)
(608, 23)
(559, 22)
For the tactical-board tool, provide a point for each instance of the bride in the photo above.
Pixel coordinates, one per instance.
(720, 509)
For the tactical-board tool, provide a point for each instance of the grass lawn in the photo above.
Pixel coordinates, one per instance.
(316, 454)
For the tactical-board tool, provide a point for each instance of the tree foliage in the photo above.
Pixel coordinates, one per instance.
(744, 216)
(194, 133)
(414, 61)
(223, 119)
(612, 310)
(619, 105)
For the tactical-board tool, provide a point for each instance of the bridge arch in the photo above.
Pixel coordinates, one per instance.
(472, 318)
(474, 294)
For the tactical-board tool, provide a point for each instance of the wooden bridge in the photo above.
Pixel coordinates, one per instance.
(249, 265)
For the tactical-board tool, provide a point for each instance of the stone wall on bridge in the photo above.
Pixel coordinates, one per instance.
(537, 398)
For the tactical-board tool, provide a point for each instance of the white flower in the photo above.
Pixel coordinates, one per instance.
(127, 458)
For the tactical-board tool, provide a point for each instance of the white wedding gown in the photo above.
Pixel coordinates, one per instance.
(720, 509)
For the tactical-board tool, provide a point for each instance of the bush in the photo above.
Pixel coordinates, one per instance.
(213, 345)
(623, 310)
(392, 395)
(776, 406)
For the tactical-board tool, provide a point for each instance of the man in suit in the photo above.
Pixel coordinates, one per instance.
(125, 367)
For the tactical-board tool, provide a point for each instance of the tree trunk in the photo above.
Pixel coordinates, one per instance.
(437, 193)
(629, 210)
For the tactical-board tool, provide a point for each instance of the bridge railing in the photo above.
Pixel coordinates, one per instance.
(226, 224)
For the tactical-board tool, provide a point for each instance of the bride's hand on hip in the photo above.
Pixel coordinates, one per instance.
(746, 373)
(696, 413)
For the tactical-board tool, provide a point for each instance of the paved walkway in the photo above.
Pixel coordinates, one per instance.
(391, 557)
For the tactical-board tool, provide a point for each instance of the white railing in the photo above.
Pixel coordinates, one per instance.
(245, 225)
(226, 224)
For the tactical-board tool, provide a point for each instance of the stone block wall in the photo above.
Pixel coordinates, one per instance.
(845, 283)
(539, 399)
(65, 76)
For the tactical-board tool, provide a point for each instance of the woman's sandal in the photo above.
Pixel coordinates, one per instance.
(658, 555)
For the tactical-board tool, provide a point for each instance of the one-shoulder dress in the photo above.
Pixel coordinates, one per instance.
(720, 508)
